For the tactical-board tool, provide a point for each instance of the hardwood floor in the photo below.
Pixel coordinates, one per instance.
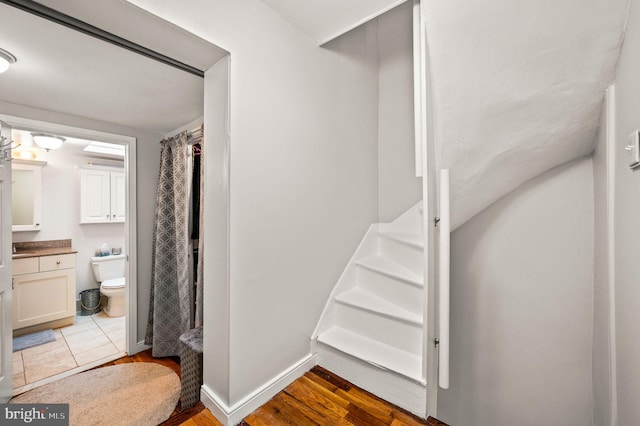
(317, 398)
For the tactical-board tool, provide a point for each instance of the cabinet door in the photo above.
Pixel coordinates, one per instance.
(42, 297)
(95, 196)
(118, 210)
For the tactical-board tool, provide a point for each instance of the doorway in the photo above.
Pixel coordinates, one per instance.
(65, 76)
(95, 338)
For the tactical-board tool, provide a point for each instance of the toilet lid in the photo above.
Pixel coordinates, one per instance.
(114, 283)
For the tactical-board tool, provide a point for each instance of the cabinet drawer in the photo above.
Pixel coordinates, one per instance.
(58, 261)
(27, 265)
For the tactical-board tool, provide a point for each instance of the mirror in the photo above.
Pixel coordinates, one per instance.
(26, 195)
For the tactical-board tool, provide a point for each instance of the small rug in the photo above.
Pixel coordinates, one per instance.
(33, 339)
(137, 393)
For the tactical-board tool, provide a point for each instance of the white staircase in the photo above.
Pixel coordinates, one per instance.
(371, 330)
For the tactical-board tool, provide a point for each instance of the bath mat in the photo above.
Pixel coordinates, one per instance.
(33, 339)
(137, 393)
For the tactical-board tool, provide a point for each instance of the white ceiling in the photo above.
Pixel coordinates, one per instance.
(139, 26)
(59, 69)
(23, 141)
(324, 20)
(518, 87)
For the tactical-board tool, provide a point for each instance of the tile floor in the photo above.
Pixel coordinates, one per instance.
(92, 338)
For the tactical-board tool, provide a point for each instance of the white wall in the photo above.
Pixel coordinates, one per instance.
(627, 227)
(303, 188)
(148, 160)
(521, 306)
(303, 178)
(216, 229)
(398, 187)
(517, 89)
(61, 215)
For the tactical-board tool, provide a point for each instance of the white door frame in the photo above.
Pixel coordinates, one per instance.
(131, 273)
(6, 281)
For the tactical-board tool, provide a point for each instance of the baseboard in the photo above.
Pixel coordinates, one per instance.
(234, 414)
(138, 347)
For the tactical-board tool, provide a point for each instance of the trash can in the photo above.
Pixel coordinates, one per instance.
(191, 366)
(90, 301)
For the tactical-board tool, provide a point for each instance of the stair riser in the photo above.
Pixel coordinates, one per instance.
(409, 256)
(394, 333)
(393, 290)
(391, 387)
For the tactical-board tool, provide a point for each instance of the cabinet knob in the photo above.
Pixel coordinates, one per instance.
(58, 262)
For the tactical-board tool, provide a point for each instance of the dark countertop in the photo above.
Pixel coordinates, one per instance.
(42, 248)
(43, 252)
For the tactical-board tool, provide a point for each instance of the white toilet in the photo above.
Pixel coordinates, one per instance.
(109, 272)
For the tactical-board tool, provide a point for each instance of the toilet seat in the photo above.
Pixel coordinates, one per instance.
(113, 283)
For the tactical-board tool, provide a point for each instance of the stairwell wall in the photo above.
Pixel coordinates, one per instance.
(627, 226)
(521, 306)
(398, 186)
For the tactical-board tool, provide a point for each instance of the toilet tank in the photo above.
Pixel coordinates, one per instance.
(108, 267)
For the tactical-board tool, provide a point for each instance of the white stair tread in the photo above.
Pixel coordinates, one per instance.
(415, 240)
(386, 266)
(374, 352)
(366, 300)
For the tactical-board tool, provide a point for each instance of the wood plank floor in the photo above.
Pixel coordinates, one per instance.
(317, 398)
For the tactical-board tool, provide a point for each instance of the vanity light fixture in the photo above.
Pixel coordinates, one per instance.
(6, 59)
(23, 154)
(47, 142)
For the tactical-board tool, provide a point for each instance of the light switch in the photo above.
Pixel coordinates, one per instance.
(633, 149)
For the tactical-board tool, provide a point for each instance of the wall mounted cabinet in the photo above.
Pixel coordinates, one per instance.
(102, 196)
(26, 195)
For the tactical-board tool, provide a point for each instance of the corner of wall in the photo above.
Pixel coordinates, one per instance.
(232, 415)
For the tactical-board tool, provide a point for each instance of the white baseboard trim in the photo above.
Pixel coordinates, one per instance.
(138, 347)
(232, 415)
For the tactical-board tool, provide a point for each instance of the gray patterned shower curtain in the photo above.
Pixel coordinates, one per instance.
(171, 310)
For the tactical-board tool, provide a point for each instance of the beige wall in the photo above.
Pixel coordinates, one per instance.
(521, 306)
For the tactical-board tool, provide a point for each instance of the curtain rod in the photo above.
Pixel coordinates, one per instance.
(191, 134)
(53, 15)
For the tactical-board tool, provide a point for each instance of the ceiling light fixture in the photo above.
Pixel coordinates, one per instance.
(105, 148)
(6, 59)
(47, 142)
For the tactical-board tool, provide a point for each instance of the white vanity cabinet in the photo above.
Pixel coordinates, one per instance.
(102, 195)
(44, 291)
